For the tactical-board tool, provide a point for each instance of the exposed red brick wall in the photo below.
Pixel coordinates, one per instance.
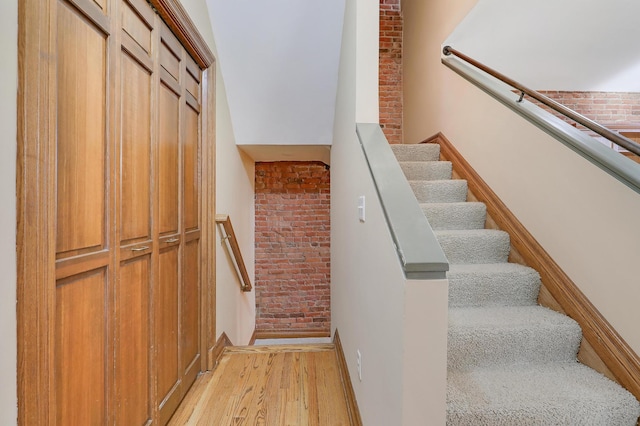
(604, 107)
(390, 71)
(292, 246)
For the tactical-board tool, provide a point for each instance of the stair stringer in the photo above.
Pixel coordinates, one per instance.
(602, 348)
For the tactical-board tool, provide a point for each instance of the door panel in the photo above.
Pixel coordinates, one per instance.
(192, 85)
(168, 150)
(135, 152)
(166, 319)
(190, 306)
(133, 345)
(191, 170)
(169, 57)
(134, 25)
(80, 349)
(81, 140)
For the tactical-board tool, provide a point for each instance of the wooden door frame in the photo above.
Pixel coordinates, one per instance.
(36, 233)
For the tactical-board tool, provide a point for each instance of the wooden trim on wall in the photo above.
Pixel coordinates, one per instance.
(254, 336)
(290, 334)
(218, 349)
(208, 208)
(35, 208)
(347, 387)
(608, 347)
(173, 13)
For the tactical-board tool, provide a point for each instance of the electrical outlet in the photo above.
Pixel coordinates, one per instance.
(359, 364)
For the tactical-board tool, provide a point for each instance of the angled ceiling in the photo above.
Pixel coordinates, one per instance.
(279, 62)
(556, 45)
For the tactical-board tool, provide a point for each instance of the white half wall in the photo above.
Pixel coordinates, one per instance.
(572, 45)
(280, 63)
(398, 326)
(235, 310)
(8, 124)
(581, 215)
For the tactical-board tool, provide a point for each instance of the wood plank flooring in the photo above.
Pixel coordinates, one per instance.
(285, 385)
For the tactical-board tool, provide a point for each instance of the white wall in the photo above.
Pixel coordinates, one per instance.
(367, 24)
(8, 124)
(365, 308)
(582, 216)
(235, 310)
(398, 326)
(556, 45)
(235, 176)
(280, 62)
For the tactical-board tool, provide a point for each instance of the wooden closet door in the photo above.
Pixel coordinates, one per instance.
(110, 239)
(84, 268)
(135, 176)
(190, 305)
(177, 304)
(167, 292)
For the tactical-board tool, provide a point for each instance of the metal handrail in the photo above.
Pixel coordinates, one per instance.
(614, 137)
(225, 221)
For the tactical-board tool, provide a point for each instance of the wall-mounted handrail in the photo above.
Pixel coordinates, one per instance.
(225, 221)
(416, 244)
(614, 137)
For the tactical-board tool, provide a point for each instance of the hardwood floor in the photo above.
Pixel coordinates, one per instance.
(268, 385)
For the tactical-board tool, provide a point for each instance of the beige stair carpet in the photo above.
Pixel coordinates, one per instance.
(510, 361)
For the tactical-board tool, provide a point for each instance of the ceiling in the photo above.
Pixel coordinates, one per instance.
(279, 61)
(573, 45)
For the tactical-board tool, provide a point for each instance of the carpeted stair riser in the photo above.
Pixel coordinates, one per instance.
(487, 337)
(498, 284)
(474, 246)
(427, 170)
(538, 395)
(417, 152)
(510, 361)
(439, 191)
(466, 215)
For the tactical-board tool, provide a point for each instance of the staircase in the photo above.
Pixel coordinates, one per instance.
(510, 361)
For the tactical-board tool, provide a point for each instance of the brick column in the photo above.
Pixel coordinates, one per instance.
(390, 72)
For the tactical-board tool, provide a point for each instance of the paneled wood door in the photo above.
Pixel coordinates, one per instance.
(176, 301)
(135, 180)
(115, 298)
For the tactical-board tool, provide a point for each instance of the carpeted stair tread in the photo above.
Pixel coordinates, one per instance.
(568, 394)
(489, 336)
(474, 246)
(439, 191)
(462, 215)
(417, 152)
(496, 284)
(510, 362)
(426, 170)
